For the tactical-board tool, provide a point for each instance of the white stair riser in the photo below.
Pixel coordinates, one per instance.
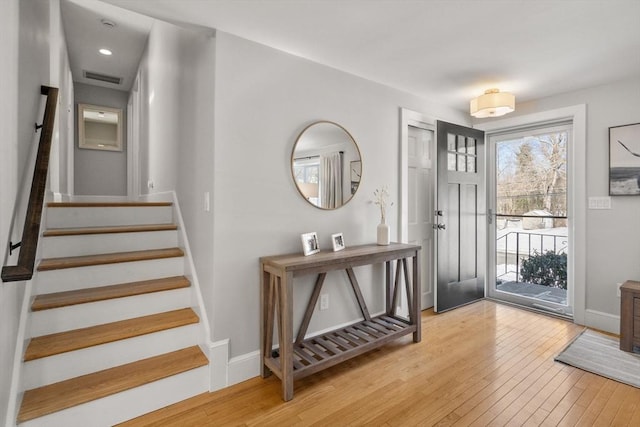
(79, 316)
(110, 216)
(93, 244)
(129, 404)
(70, 279)
(60, 367)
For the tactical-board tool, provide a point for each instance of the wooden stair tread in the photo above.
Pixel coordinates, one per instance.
(75, 391)
(106, 204)
(55, 232)
(100, 259)
(62, 342)
(82, 296)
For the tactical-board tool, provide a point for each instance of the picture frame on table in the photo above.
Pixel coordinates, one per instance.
(310, 244)
(338, 242)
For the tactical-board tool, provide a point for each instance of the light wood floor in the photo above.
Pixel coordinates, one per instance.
(483, 364)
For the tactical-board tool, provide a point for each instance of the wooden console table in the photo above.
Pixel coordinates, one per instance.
(630, 316)
(303, 357)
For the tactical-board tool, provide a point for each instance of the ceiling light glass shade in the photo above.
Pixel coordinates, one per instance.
(106, 52)
(492, 104)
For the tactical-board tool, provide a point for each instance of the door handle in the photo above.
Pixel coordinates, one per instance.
(440, 226)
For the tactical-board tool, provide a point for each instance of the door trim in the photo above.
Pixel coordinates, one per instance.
(577, 190)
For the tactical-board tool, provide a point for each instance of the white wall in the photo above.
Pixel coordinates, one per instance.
(97, 172)
(195, 152)
(176, 142)
(24, 52)
(11, 294)
(613, 236)
(263, 99)
(60, 77)
(160, 71)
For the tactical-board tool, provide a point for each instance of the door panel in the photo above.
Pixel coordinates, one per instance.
(459, 216)
(420, 202)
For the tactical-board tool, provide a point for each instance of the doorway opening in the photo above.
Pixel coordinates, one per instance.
(530, 242)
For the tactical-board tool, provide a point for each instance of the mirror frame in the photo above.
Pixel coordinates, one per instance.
(82, 143)
(344, 174)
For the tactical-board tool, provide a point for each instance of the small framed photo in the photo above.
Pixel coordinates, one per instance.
(338, 242)
(624, 160)
(310, 243)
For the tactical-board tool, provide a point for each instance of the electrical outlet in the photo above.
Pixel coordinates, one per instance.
(618, 291)
(324, 301)
(150, 184)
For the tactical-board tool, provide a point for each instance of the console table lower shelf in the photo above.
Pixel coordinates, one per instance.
(295, 359)
(323, 351)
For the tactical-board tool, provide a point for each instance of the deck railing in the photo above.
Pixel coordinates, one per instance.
(524, 248)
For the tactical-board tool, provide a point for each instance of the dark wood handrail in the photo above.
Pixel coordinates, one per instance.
(31, 230)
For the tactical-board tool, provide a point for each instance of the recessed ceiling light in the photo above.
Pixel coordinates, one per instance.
(106, 52)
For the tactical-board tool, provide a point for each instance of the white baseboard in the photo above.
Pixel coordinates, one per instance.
(244, 367)
(602, 321)
(219, 363)
(227, 371)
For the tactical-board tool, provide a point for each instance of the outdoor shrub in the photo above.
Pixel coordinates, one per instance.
(548, 269)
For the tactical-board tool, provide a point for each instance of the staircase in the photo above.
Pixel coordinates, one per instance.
(113, 331)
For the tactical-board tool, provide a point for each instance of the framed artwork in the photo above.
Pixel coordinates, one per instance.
(624, 160)
(356, 170)
(310, 243)
(338, 242)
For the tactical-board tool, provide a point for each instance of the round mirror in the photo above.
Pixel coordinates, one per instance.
(326, 165)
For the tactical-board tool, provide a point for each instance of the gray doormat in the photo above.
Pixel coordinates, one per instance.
(601, 355)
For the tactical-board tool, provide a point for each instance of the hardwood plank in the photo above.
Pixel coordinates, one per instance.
(56, 232)
(55, 397)
(81, 296)
(62, 342)
(101, 259)
(499, 352)
(106, 204)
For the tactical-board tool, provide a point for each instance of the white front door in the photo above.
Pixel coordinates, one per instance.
(418, 182)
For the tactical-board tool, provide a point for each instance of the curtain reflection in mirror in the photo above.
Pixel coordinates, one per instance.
(331, 180)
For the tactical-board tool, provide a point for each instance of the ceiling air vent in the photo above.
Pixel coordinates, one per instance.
(102, 77)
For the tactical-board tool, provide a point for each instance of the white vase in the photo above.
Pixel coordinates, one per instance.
(383, 233)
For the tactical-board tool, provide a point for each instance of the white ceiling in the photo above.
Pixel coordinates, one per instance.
(445, 50)
(85, 35)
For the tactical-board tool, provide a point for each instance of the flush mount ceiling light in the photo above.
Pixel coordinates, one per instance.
(492, 104)
(105, 52)
(107, 23)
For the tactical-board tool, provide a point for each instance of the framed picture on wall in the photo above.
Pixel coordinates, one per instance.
(624, 160)
(310, 243)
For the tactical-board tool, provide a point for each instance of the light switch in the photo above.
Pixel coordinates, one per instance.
(207, 202)
(599, 202)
